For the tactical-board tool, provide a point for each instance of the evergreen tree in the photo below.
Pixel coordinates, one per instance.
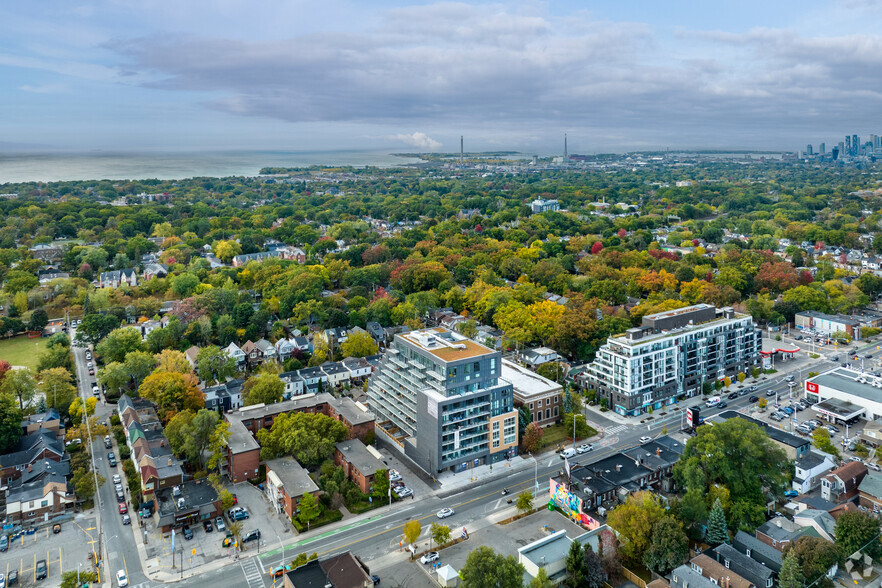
(791, 574)
(717, 531)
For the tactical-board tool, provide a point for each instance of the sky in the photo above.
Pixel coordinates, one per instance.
(191, 75)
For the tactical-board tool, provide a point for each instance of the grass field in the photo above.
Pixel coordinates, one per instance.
(21, 350)
(555, 434)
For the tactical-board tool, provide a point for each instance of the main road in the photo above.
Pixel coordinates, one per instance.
(117, 540)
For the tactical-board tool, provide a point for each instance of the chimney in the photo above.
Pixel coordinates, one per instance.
(658, 451)
(30, 468)
(618, 467)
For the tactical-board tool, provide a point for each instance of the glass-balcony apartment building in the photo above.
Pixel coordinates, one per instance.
(671, 355)
(439, 399)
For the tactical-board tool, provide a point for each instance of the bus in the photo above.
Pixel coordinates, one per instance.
(712, 401)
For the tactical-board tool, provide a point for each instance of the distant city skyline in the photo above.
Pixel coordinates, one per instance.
(405, 76)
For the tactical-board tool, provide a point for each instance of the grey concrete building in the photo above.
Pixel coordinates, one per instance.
(671, 355)
(440, 400)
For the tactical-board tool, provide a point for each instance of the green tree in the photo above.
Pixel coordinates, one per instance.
(139, 365)
(541, 580)
(524, 502)
(634, 521)
(484, 568)
(309, 438)
(821, 440)
(217, 445)
(736, 454)
(380, 488)
(84, 483)
(94, 327)
(177, 429)
(815, 556)
(21, 385)
(55, 356)
(79, 578)
(717, 529)
(575, 564)
(669, 547)
(227, 250)
(118, 343)
(791, 574)
(359, 344)
(57, 389)
(855, 531)
(411, 531)
(10, 422)
(265, 388)
(184, 284)
(440, 533)
(214, 365)
(310, 509)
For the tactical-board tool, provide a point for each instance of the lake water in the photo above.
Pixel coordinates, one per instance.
(101, 165)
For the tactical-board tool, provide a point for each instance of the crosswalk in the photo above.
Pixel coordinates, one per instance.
(616, 429)
(252, 572)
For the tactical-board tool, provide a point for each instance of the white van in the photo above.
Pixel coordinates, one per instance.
(712, 401)
(567, 453)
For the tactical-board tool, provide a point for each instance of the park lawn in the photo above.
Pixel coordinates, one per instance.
(555, 434)
(21, 351)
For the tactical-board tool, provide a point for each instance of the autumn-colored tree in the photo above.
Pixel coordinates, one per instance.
(532, 437)
(596, 248)
(172, 392)
(172, 361)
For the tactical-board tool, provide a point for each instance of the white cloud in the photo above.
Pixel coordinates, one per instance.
(418, 140)
(43, 88)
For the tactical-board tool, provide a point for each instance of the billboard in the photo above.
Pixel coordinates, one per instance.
(693, 418)
(570, 504)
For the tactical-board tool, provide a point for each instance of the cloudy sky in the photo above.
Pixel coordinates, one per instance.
(306, 75)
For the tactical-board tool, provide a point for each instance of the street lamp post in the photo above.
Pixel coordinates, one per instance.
(574, 427)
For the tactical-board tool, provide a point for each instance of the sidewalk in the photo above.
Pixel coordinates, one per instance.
(450, 482)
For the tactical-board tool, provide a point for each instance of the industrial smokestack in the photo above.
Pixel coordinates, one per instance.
(566, 157)
(460, 151)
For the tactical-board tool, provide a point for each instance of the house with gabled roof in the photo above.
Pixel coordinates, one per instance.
(237, 354)
(117, 278)
(842, 483)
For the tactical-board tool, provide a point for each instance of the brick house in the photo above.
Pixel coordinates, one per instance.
(286, 483)
(359, 462)
(39, 500)
(357, 418)
(41, 445)
(243, 450)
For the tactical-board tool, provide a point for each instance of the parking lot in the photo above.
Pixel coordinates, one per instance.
(207, 546)
(503, 539)
(63, 552)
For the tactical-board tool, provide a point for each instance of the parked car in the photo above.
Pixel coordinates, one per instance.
(42, 570)
(239, 515)
(791, 493)
(121, 579)
(4, 543)
(188, 532)
(584, 448)
(207, 526)
(404, 492)
(123, 509)
(12, 578)
(394, 476)
(219, 523)
(110, 455)
(833, 428)
(116, 479)
(126, 519)
(445, 512)
(429, 557)
(874, 466)
(252, 535)
(88, 354)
